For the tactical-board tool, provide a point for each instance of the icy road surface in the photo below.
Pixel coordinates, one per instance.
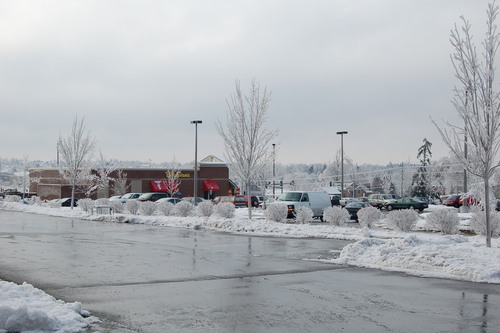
(140, 278)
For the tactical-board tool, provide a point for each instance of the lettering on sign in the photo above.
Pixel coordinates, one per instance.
(180, 175)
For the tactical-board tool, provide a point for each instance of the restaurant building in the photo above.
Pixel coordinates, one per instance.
(213, 180)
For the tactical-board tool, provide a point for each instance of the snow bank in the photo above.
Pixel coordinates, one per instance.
(455, 257)
(24, 308)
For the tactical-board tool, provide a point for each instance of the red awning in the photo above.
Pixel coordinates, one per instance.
(158, 186)
(163, 186)
(210, 185)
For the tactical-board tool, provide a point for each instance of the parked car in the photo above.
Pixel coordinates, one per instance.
(457, 200)
(129, 196)
(316, 201)
(66, 202)
(238, 200)
(354, 207)
(452, 201)
(469, 200)
(242, 201)
(115, 198)
(344, 201)
(382, 199)
(223, 198)
(191, 199)
(406, 203)
(152, 196)
(430, 201)
(374, 203)
(335, 200)
(171, 200)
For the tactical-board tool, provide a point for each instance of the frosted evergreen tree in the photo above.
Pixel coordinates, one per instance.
(420, 184)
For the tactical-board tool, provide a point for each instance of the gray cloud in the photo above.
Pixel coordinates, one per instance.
(140, 71)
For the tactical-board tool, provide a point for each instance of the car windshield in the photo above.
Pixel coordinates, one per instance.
(291, 196)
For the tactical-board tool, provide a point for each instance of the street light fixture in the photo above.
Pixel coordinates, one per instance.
(342, 161)
(195, 195)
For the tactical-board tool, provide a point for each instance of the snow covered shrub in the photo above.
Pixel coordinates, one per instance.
(34, 200)
(444, 220)
(183, 208)
(53, 204)
(224, 209)
(85, 204)
(165, 208)
(276, 211)
(147, 208)
(403, 220)
(102, 202)
(117, 206)
(205, 208)
(368, 216)
(132, 206)
(336, 215)
(13, 198)
(478, 221)
(303, 214)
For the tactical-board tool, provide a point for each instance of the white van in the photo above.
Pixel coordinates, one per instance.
(317, 201)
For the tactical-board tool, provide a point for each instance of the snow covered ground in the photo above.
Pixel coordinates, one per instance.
(421, 253)
(24, 308)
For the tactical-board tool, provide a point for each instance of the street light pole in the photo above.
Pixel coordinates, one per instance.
(195, 195)
(342, 161)
(274, 169)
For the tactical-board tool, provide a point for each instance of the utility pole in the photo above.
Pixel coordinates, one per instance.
(342, 161)
(195, 195)
(274, 170)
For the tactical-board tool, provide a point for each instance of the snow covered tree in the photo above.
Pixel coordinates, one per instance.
(173, 178)
(76, 152)
(477, 103)
(103, 171)
(420, 184)
(246, 139)
(377, 185)
(23, 179)
(119, 183)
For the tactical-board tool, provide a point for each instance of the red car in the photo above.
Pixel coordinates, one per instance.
(457, 201)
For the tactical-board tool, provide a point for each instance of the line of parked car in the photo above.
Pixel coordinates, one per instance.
(317, 201)
(388, 202)
(237, 200)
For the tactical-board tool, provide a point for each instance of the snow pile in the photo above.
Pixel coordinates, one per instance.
(454, 257)
(24, 308)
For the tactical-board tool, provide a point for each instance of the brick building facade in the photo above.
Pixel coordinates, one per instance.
(213, 180)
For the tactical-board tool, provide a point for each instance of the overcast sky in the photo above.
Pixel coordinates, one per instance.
(140, 71)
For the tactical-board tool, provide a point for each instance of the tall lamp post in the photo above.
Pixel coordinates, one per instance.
(342, 161)
(274, 169)
(195, 195)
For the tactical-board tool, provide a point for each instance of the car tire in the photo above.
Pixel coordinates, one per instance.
(389, 207)
(411, 207)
